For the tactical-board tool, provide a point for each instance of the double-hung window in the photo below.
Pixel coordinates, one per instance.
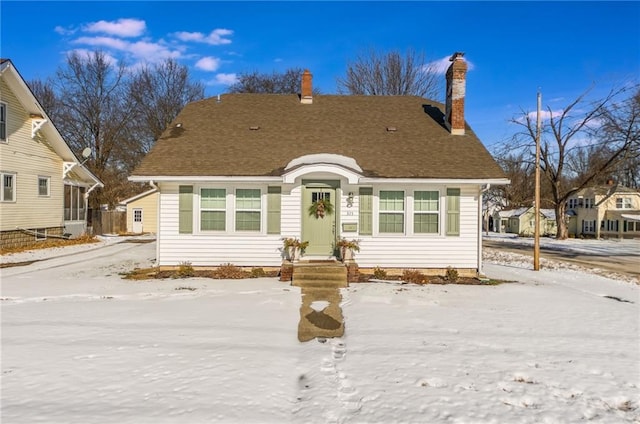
(248, 209)
(426, 207)
(391, 216)
(213, 209)
(3, 122)
(8, 193)
(43, 186)
(623, 203)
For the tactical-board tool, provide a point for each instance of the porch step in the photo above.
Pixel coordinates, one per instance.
(319, 274)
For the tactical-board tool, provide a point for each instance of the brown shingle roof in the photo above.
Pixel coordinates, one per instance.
(211, 138)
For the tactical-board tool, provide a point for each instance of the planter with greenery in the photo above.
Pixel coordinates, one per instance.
(293, 247)
(347, 248)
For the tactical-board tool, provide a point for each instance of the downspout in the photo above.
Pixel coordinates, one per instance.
(153, 185)
(482, 190)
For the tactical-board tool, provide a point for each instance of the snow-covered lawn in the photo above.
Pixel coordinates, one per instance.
(81, 345)
(594, 246)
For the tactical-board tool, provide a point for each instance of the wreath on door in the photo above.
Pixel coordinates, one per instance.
(320, 208)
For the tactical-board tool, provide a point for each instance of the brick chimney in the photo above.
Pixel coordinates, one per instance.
(306, 96)
(456, 82)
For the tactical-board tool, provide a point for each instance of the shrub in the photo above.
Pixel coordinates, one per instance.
(451, 275)
(185, 270)
(257, 273)
(414, 276)
(231, 272)
(379, 273)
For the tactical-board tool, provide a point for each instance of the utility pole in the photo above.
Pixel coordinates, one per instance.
(536, 240)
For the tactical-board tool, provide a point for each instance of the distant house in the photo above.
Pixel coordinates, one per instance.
(521, 221)
(402, 174)
(142, 212)
(44, 185)
(608, 210)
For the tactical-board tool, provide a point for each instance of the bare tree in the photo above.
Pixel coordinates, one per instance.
(99, 104)
(390, 73)
(287, 82)
(159, 93)
(607, 128)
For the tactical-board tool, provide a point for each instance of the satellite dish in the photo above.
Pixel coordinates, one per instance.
(86, 152)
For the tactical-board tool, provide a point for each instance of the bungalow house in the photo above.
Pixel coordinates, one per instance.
(609, 210)
(142, 212)
(402, 175)
(521, 221)
(44, 185)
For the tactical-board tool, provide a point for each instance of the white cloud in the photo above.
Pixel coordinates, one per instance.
(189, 36)
(121, 27)
(215, 37)
(545, 115)
(139, 50)
(208, 63)
(224, 79)
(64, 31)
(152, 52)
(85, 54)
(114, 43)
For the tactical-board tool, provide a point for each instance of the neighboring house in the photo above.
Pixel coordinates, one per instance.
(521, 221)
(44, 186)
(405, 176)
(142, 212)
(604, 211)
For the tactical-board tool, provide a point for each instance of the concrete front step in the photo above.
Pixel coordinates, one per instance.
(330, 274)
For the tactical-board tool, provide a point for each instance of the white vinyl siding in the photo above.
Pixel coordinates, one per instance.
(29, 159)
(248, 209)
(211, 248)
(391, 207)
(391, 250)
(213, 209)
(426, 212)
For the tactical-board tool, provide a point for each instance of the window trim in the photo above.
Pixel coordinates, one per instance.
(14, 193)
(48, 187)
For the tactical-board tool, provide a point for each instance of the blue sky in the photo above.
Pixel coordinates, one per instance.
(514, 48)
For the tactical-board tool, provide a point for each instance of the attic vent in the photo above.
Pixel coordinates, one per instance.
(254, 128)
(391, 129)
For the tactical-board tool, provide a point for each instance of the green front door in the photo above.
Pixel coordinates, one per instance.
(319, 231)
